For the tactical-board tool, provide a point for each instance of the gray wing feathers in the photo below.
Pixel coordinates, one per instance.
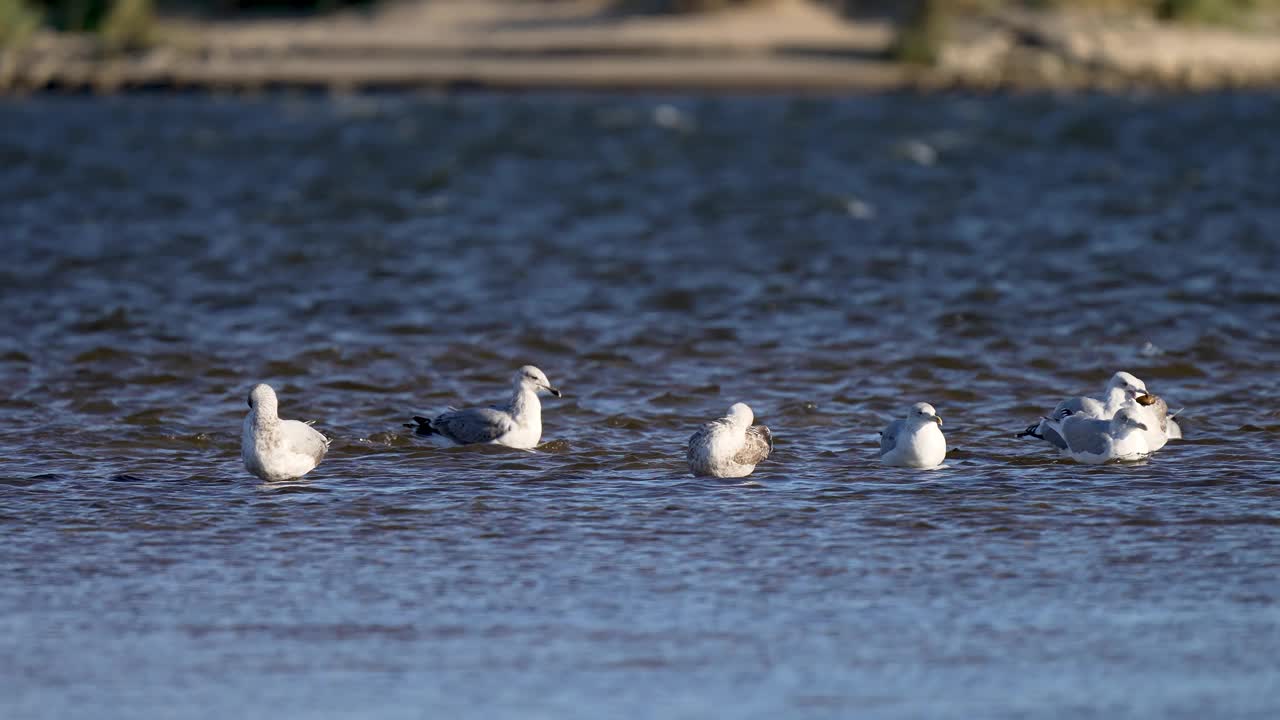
(305, 439)
(696, 441)
(756, 448)
(474, 425)
(1050, 434)
(1090, 406)
(889, 438)
(1086, 436)
(1074, 404)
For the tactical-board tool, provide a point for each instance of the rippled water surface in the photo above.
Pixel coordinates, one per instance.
(827, 261)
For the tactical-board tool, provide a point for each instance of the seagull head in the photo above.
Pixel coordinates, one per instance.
(262, 399)
(534, 379)
(923, 413)
(740, 415)
(1132, 386)
(1126, 418)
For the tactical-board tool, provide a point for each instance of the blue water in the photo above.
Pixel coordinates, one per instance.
(827, 261)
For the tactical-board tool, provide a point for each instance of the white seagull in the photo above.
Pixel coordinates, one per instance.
(914, 441)
(1122, 388)
(1094, 442)
(729, 447)
(516, 425)
(275, 449)
(1123, 391)
(1163, 426)
(1079, 405)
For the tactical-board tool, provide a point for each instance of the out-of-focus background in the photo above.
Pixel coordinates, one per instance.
(705, 44)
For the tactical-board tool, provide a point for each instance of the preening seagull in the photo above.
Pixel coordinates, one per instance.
(516, 425)
(914, 441)
(275, 449)
(1122, 388)
(1123, 391)
(729, 447)
(1079, 405)
(1161, 427)
(1094, 442)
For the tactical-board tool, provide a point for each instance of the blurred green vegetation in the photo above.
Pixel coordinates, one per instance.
(17, 21)
(1212, 11)
(657, 7)
(923, 31)
(1191, 10)
(130, 24)
(1199, 10)
(923, 23)
(127, 18)
(75, 15)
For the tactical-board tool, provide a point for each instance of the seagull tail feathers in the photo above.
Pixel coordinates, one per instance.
(421, 425)
(1031, 432)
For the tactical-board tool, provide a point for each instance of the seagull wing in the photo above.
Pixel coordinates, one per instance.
(304, 439)
(889, 438)
(757, 446)
(698, 441)
(1084, 435)
(473, 425)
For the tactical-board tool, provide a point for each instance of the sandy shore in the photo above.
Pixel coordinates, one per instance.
(578, 44)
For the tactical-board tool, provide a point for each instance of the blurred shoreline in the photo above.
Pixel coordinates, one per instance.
(784, 46)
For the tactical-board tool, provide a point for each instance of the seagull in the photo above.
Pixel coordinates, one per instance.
(916, 440)
(1079, 405)
(1123, 390)
(1094, 442)
(275, 449)
(1156, 415)
(516, 425)
(731, 446)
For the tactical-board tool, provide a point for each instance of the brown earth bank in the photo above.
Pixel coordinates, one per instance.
(783, 46)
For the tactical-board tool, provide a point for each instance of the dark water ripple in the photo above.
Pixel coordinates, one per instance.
(825, 260)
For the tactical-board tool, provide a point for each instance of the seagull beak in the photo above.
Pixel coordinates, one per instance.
(1146, 399)
(553, 391)
(937, 420)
